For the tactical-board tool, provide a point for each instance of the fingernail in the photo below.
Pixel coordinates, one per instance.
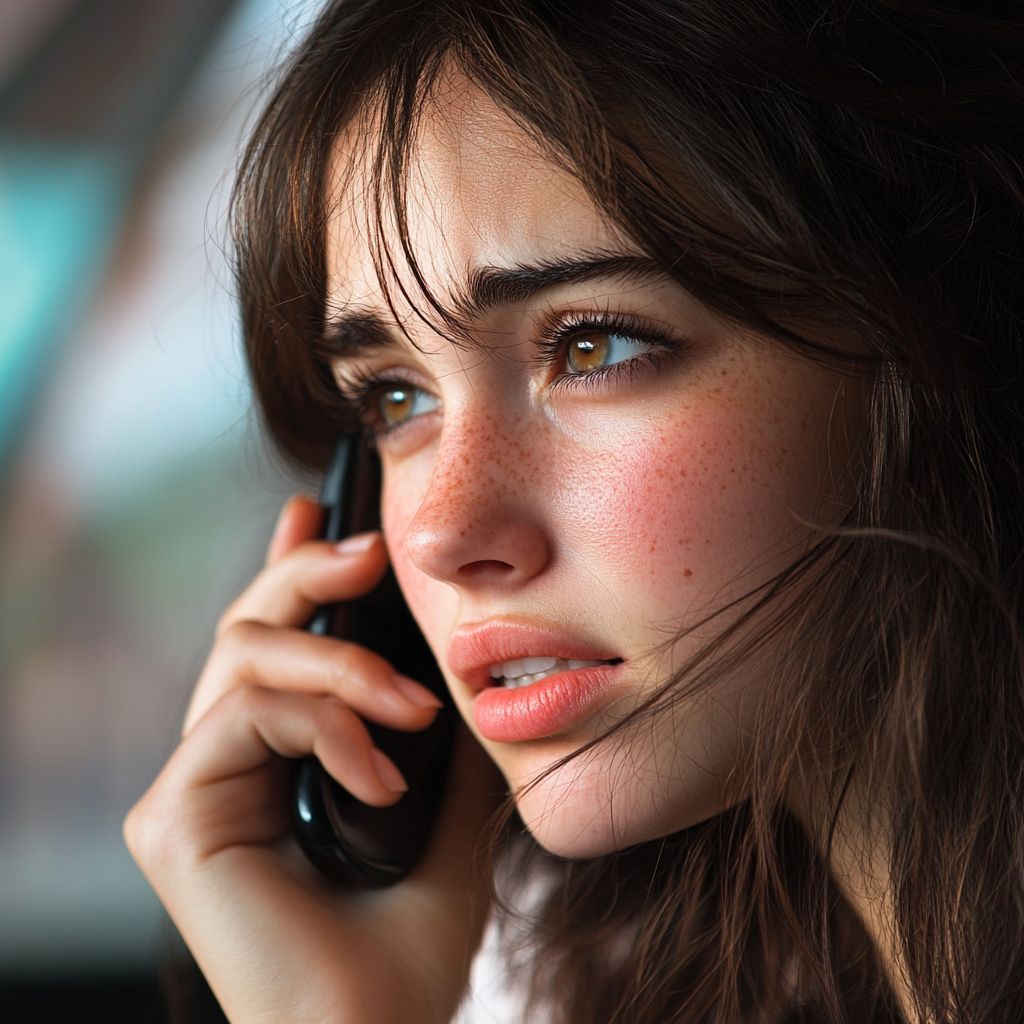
(357, 544)
(416, 693)
(389, 775)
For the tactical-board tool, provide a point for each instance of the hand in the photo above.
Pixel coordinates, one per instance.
(276, 942)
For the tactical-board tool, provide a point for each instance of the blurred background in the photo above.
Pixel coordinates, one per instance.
(135, 497)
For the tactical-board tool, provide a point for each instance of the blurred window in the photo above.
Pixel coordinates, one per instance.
(134, 496)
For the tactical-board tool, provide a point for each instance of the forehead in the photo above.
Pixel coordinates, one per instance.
(480, 193)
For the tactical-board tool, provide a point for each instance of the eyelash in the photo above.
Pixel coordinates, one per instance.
(360, 388)
(556, 336)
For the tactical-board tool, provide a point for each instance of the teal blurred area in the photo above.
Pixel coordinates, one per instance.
(135, 495)
(60, 207)
(79, 111)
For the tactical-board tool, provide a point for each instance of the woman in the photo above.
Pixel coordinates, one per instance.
(689, 335)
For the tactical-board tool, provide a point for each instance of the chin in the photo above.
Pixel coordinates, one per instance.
(573, 836)
(572, 814)
(593, 806)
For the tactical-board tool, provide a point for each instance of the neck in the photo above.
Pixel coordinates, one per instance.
(859, 858)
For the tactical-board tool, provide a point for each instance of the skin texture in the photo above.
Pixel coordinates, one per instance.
(606, 513)
(617, 513)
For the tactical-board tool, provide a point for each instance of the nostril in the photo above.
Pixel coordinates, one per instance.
(463, 544)
(485, 569)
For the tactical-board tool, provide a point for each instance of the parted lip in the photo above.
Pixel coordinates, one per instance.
(476, 646)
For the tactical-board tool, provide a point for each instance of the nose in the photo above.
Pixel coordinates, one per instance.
(482, 522)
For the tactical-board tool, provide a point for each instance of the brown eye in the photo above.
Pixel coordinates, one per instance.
(596, 350)
(401, 404)
(588, 352)
(395, 405)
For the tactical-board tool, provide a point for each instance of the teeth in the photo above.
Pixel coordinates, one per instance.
(513, 669)
(532, 677)
(524, 671)
(533, 665)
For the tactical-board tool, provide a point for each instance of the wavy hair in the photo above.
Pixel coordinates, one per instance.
(845, 177)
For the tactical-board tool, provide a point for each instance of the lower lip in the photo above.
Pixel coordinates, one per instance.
(541, 709)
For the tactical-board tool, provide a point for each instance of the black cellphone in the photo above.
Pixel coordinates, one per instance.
(349, 841)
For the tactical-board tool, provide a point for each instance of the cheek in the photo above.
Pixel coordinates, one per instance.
(696, 496)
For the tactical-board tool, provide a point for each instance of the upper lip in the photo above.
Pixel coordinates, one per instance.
(475, 646)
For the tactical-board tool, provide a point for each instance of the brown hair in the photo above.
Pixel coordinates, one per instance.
(809, 169)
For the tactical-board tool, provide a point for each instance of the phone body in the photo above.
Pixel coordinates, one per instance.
(349, 841)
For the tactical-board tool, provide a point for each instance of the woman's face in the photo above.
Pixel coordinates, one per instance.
(598, 463)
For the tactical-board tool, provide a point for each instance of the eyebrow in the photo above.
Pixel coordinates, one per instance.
(353, 330)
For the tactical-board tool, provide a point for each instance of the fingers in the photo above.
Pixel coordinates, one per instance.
(218, 788)
(252, 722)
(287, 592)
(299, 521)
(212, 832)
(254, 654)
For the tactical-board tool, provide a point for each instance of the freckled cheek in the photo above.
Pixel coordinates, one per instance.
(692, 498)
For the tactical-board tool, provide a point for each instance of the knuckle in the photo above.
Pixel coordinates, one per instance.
(352, 666)
(229, 617)
(134, 830)
(355, 674)
(341, 669)
(246, 699)
(149, 832)
(243, 633)
(249, 696)
(238, 641)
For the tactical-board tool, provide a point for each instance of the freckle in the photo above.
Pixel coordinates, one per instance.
(687, 572)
